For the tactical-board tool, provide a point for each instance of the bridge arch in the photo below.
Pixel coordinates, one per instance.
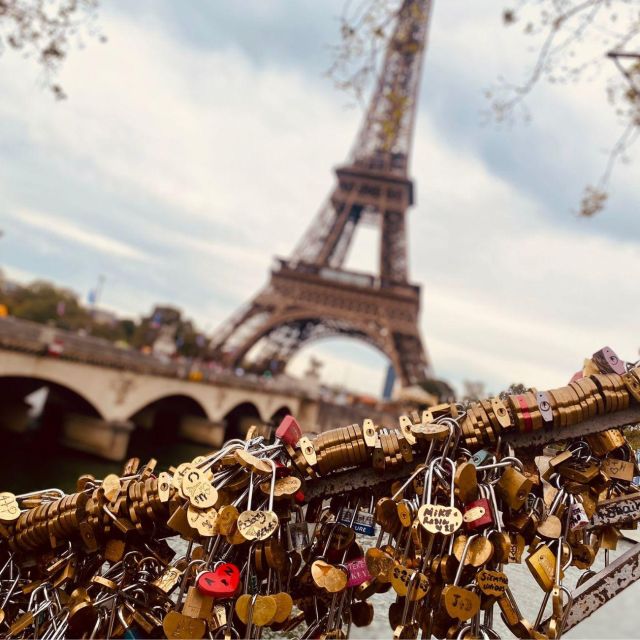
(24, 379)
(279, 414)
(238, 420)
(187, 401)
(160, 422)
(61, 392)
(143, 392)
(309, 329)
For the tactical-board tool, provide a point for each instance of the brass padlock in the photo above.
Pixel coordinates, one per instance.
(579, 470)
(197, 605)
(513, 487)
(605, 442)
(542, 564)
(618, 469)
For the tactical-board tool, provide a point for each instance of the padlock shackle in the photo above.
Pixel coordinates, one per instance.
(494, 507)
(247, 566)
(431, 469)
(272, 488)
(578, 447)
(210, 460)
(250, 496)
(463, 558)
(507, 461)
(453, 426)
(43, 492)
(407, 482)
(355, 510)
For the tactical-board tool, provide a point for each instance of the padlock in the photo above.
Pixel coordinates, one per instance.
(579, 470)
(460, 603)
(542, 564)
(513, 487)
(605, 442)
(360, 520)
(480, 457)
(221, 583)
(405, 629)
(197, 605)
(578, 519)
(289, 431)
(607, 361)
(609, 537)
(618, 469)
(466, 482)
(544, 404)
(477, 515)
(437, 518)
(259, 525)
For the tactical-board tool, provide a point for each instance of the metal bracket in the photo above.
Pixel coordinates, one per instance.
(604, 586)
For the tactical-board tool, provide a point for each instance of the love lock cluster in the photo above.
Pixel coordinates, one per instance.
(299, 533)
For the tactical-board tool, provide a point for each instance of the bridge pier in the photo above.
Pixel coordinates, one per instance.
(14, 415)
(107, 439)
(202, 431)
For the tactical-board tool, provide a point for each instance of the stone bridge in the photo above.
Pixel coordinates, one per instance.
(99, 395)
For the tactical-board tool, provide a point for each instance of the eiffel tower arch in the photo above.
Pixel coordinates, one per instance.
(310, 295)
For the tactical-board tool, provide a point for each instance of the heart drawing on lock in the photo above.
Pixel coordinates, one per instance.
(223, 582)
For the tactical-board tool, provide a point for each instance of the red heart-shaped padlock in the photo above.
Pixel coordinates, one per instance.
(289, 431)
(221, 583)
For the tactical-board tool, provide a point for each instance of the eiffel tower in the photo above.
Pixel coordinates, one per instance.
(310, 295)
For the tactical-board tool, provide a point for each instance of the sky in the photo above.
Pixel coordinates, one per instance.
(198, 143)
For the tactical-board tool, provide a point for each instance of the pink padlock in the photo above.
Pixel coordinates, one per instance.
(357, 572)
(477, 514)
(289, 431)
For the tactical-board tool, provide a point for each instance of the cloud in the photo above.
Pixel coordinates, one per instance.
(53, 225)
(206, 155)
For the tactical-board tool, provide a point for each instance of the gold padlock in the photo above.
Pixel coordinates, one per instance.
(197, 605)
(603, 443)
(618, 469)
(513, 487)
(579, 470)
(542, 564)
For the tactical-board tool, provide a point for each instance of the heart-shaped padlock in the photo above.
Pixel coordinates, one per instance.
(222, 582)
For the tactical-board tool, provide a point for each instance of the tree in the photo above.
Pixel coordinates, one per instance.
(566, 32)
(43, 302)
(473, 390)
(45, 30)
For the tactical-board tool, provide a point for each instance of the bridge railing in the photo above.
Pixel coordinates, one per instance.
(44, 340)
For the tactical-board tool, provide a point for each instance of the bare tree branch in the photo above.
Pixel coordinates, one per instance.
(572, 40)
(45, 30)
(571, 29)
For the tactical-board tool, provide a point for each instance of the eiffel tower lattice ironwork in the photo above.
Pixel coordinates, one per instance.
(310, 295)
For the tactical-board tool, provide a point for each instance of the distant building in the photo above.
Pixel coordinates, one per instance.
(102, 316)
(165, 315)
(164, 346)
